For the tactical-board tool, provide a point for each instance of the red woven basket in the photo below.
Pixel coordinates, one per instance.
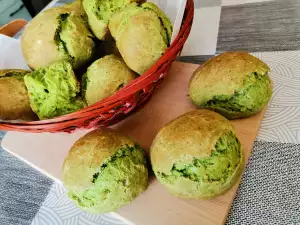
(119, 106)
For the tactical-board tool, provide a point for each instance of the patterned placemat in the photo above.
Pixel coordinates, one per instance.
(269, 192)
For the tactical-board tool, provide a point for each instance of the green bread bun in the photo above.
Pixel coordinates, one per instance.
(14, 100)
(99, 13)
(104, 78)
(197, 155)
(104, 171)
(53, 90)
(58, 34)
(75, 8)
(234, 84)
(142, 33)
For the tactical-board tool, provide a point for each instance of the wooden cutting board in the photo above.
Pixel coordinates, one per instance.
(155, 206)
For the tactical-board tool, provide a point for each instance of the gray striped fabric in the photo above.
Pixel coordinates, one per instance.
(22, 190)
(259, 27)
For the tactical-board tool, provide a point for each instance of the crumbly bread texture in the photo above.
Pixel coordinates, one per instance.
(53, 90)
(58, 34)
(104, 170)
(197, 155)
(142, 33)
(104, 78)
(99, 13)
(235, 84)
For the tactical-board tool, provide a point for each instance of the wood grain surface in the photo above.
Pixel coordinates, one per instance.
(46, 152)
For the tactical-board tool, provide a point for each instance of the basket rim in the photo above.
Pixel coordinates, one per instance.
(124, 93)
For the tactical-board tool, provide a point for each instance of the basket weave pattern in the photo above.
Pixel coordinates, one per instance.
(120, 105)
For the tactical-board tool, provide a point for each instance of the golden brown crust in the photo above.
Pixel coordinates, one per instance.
(4, 72)
(139, 41)
(14, 100)
(34, 39)
(223, 75)
(38, 44)
(75, 7)
(105, 77)
(98, 27)
(89, 153)
(188, 133)
(114, 24)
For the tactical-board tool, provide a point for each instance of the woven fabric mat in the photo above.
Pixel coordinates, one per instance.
(22, 190)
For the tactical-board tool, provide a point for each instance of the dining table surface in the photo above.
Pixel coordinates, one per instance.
(269, 192)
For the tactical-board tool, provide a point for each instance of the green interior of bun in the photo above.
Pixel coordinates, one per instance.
(62, 45)
(53, 90)
(134, 9)
(84, 82)
(219, 166)
(124, 17)
(255, 93)
(74, 40)
(119, 179)
(165, 21)
(104, 9)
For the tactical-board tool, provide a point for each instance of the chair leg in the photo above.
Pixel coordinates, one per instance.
(29, 6)
(13, 27)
